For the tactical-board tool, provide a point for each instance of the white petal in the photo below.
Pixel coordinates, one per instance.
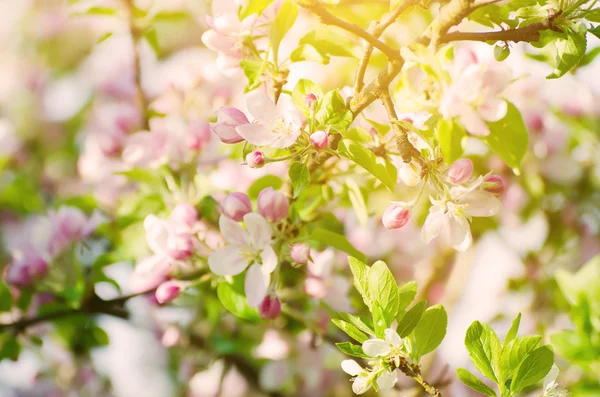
(361, 384)
(259, 229)
(473, 122)
(482, 203)
(457, 233)
(233, 232)
(262, 108)
(256, 134)
(387, 380)
(392, 337)
(157, 233)
(256, 285)
(551, 377)
(493, 109)
(285, 141)
(228, 261)
(376, 347)
(433, 224)
(351, 367)
(269, 260)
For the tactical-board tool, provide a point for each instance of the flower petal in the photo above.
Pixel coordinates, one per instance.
(457, 233)
(351, 367)
(256, 134)
(285, 141)
(157, 233)
(433, 224)
(262, 108)
(376, 347)
(392, 337)
(493, 109)
(233, 232)
(361, 384)
(482, 203)
(228, 261)
(387, 380)
(259, 229)
(473, 122)
(269, 260)
(256, 285)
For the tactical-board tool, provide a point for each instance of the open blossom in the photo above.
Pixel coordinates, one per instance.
(247, 248)
(25, 269)
(275, 125)
(67, 226)
(380, 348)
(475, 94)
(450, 216)
(364, 380)
(228, 118)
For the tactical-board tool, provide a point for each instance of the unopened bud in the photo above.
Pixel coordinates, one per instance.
(461, 171)
(236, 205)
(255, 159)
(494, 184)
(184, 214)
(320, 140)
(395, 217)
(180, 246)
(310, 100)
(270, 308)
(167, 291)
(300, 253)
(273, 205)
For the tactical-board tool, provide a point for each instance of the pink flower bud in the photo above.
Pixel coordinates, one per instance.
(300, 253)
(494, 184)
(180, 246)
(319, 139)
(184, 214)
(236, 205)
(171, 336)
(198, 135)
(270, 308)
(25, 271)
(395, 217)
(310, 100)
(255, 159)
(461, 171)
(227, 119)
(273, 205)
(167, 291)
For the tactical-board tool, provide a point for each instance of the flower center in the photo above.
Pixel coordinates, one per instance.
(281, 127)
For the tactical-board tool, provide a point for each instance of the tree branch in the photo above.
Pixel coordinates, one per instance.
(135, 37)
(530, 33)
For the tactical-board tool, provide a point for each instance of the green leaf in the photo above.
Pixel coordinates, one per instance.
(379, 167)
(595, 31)
(262, 183)
(307, 52)
(333, 112)
(253, 70)
(337, 241)
(406, 294)
(589, 57)
(254, 7)
(474, 382)
(300, 176)
(327, 42)
(301, 90)
(357, 199)
(379, 321)
(236, 302)
(411, 319)
(351, 349)
(97, 10)
(451, 136)
(284, 20)
(6, 299)
(358, 322)
(514, 329)
(484, 347)
(508, 137)
(360, 271)
(569, 51)
(351, 330)
(152, 38)
(533, 369)
(171, 16)
(431, 330)
(142, 175)
(384, 290)
(513, 354)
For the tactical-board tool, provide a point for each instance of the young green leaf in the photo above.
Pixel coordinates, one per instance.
(360, 271)
(450, 135)
(379, 322)
(301, 90)
(406, 294)
(284, 20)
(327, 42)
(514, 352)
(254, 7)
(569, 51)
(508, 137)
(337, 241)
(431, 330)
(333, 112)
(384, 290)
(351, 349)
(351, 330)
(410, 320)
(514, 328)
(379, 167)
(484, 347)
(533, 369)
(236, 302)
(362, 323)
(300, 177)
(474, 382)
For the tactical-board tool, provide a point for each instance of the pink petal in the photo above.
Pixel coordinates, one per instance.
(256, 285)
(269, 260)
(233, 232)
(256, 134)
(473, 122)
(262, 108)
(259, 229)
(228, 261)
(493, 109)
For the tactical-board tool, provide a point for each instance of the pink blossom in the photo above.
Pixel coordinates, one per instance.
(171, 337)
(270, 307)
(460, 171)
(25, 270)
(255, 159)
(168, 291)
(300, 253)
(323, 283)
(69, 225)
(275, 125)
(273, 205)
(395, 217)
(494, 184)
(320, 140)
(184, 216)
(228, 118)
(236, 205)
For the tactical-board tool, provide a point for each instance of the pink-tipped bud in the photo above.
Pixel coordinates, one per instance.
(227, 119)
(167, 291)
(236, 205)
(494, 184)
(320, 140)
(310, 100)
(171, 336)
(255, 159)
(184, 214)
(198, 135)
(273, 205)
(270, 308)
(461, 171)
(300, 253)
(395, 217)
(180, 246)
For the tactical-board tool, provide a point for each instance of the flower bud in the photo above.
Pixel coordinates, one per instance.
(319, 139)
(180, 246)
(25, 271)
(171, 336)
(255, 159)
(273, 205)
(310, 100)
(167, 291)
(236, 205)
(300, 253)
(270, 308)
(494, 184)
(184, 214)
(227, 119)
(198, 135)
(461, 171)
(395, 217)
